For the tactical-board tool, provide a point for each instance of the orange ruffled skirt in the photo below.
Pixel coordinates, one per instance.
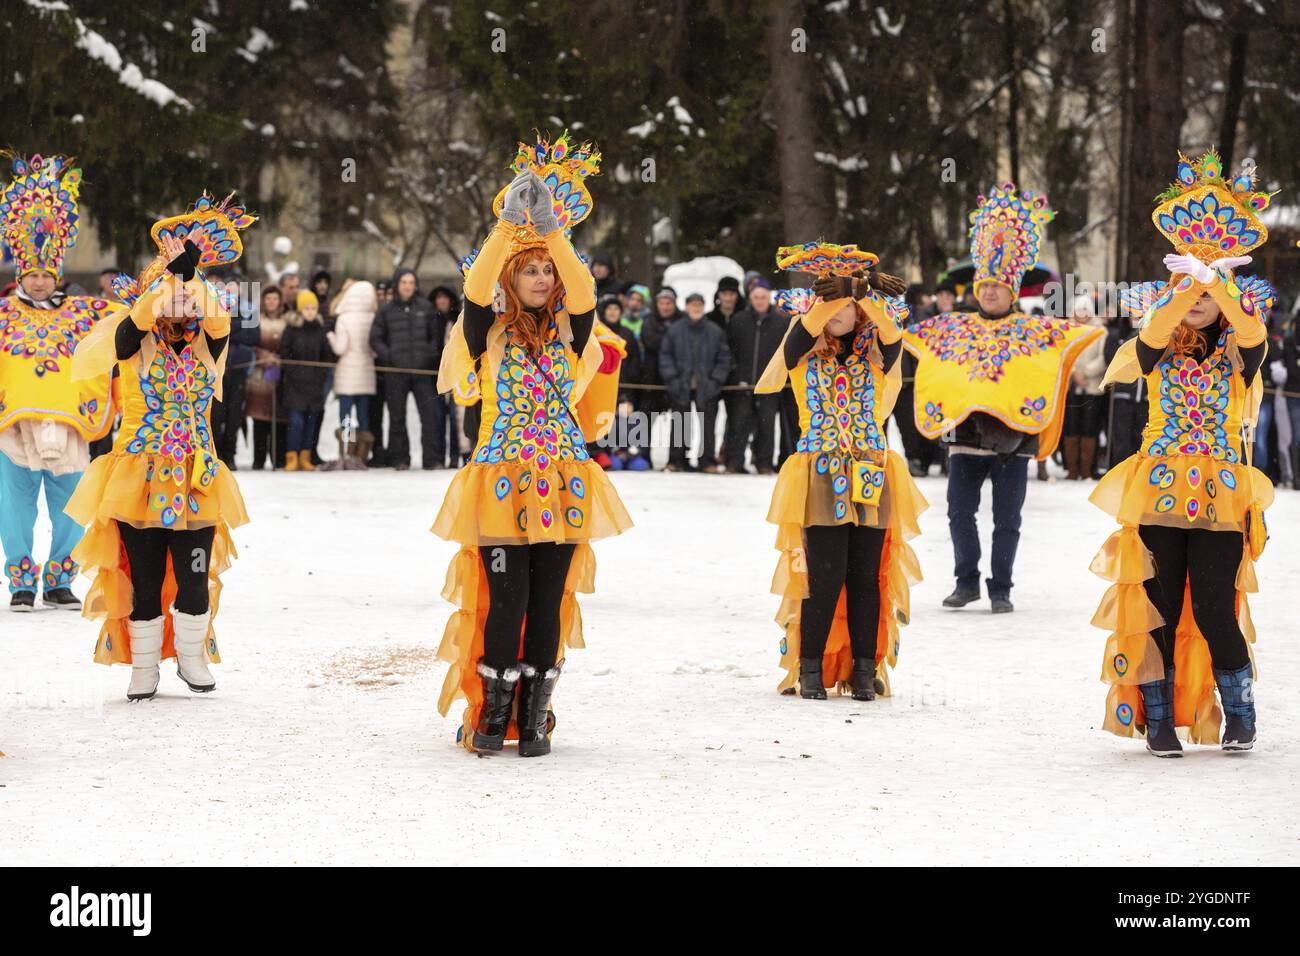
(498, 504)
(135, 489)
(805, 496)
(1178, 491)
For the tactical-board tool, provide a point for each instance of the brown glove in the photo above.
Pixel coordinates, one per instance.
(833, 287)
(880, 281)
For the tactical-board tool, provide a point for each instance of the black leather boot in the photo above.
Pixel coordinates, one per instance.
(810, 679)
(962, 595)
(862, 682)
(535, 689)
(498, 700)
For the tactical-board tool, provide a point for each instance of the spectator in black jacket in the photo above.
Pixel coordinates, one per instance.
(245, 334)
(403, 337)
(602, 270)
(446, 306)
(726, 302)
(753, 336)
(694, 362)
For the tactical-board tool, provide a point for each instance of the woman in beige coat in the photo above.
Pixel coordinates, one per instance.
(354, 376)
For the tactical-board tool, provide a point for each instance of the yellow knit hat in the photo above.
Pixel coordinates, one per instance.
(305, 298)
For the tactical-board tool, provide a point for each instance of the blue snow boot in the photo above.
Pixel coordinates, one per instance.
(1158, 702)
(1237, 692)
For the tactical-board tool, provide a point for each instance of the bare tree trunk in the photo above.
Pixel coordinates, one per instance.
(1013, 91)
(807, 200)
(1158, 114)
(1234, 89)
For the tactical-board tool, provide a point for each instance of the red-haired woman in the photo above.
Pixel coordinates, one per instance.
(530, 500)
(844, 504)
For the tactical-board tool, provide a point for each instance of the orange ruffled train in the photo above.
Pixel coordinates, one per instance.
(475, 514)
(118, 487)
(1131, 657)
(796, 500)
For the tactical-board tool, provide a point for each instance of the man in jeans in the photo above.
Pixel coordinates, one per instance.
(404, 336)
(991, 399)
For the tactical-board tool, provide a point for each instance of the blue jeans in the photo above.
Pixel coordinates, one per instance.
(19, 491)
(1261, 432)
(966, 476)
(362, 404)
(302, 425)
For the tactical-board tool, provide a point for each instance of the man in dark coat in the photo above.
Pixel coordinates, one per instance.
(656, 325)
(694, 361)
(753, 336)
(403, 337)
(245, 334)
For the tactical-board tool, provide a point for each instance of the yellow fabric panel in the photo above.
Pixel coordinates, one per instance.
(1015, 369)
(37, 358)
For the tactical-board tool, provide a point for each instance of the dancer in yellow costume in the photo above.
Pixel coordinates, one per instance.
(1189, 503)
(530, 502)
(844, 505)
(993, 383)
(47, 420)
(160, 506)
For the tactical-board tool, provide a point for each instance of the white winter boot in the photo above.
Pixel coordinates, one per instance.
(191, 660)
(146, 648)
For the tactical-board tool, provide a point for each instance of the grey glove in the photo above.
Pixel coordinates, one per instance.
(540, 207)
(515, 207)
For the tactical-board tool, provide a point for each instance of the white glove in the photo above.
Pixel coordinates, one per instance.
(1278, 368)
(1221, 266)
(1191, 266)
(516, 201)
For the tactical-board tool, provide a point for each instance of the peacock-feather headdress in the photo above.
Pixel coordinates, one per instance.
(564, 167)
(1209, 217)
(1006, 234)
(38, 212)
(213, 227)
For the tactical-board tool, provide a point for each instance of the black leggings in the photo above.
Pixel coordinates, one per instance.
(146, 550)
(524, 579)
(1207, 560)
(840, 555)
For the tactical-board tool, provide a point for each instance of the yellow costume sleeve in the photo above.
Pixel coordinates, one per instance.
(579, 286)
(456, 365)
(816, 318)
(599, 405)
(1169, 311)
(1250, 330)
(481, 282)
(1124, 366)
(881, 312)
(96, 354)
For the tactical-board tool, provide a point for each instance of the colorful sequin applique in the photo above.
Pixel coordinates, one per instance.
(23, 575)
(534, 420)
(60, 574)
(841, 401)
(47, 337)
(1194, 399)
(987, 348)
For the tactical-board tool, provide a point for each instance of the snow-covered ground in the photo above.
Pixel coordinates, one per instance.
(322, 744)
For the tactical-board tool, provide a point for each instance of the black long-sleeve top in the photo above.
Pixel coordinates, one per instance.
(479, 320)
(128, 337)
(800, 341)
(1252, 358)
